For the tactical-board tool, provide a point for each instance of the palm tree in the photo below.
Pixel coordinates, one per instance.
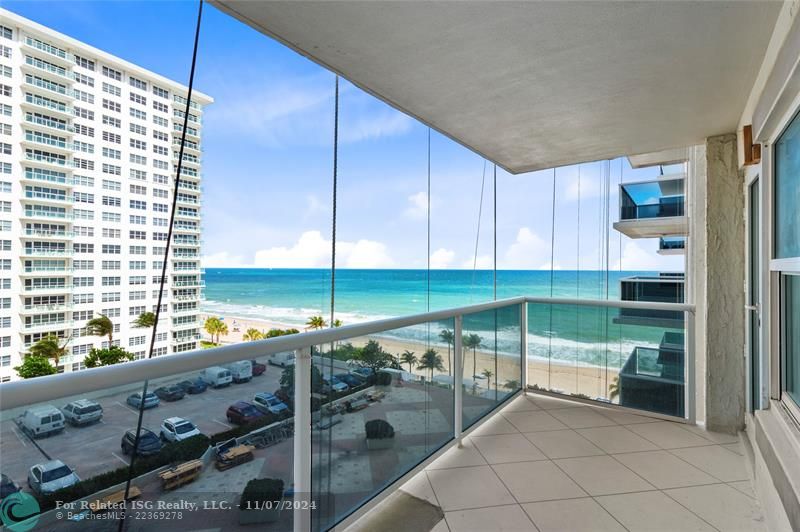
(49, 347)
(337, 323)
(488, 374)
(613, 389)
(252, 335)
(212, 326)
(101, 326)
(145, 320)
(316, 322)
(511, 384)
(472, 341)
(432, 361)
(448, 337)
(408, 357)
(223, 330)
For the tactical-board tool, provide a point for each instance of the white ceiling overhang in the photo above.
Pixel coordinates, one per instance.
(532, 85)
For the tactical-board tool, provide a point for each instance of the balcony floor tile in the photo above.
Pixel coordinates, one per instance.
(571, 515)
(651, 511)
(534, 421)
(509, 518)
(617, 439)
(722, 506)
(664, 470)
(582, 418)
(602, 475)
(563, 444)
(669, 435)
(462, 488)
(537, 481)
(504, 448)
(715, 460)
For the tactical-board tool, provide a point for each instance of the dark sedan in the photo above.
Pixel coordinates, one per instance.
(258, 368)
(193, 387)
(149, 443)
(170, 393)
(242, 413)
(350, 380)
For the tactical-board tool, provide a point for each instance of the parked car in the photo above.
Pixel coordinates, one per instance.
(258, 368)
(150, 400)
(364, 373)
(177, 429)
(7, 486)
(336, 384)
(42, 421)
(170, 393)
(193, 387)
(51, 476)
(241, 371)
(216, 376)
(149, 443)
(82, 412)
(266, 402)
(350, 379)
(242, 413)
(282, 359)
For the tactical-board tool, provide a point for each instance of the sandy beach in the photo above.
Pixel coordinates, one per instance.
(588, 380)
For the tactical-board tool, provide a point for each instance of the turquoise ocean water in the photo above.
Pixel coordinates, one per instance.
(580, 335)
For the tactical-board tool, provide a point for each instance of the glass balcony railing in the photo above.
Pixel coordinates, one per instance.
(653, 199)
(48, 48)
(47, 103)
(657, 288)
(339, 416)
(667, 243)
(60, 125)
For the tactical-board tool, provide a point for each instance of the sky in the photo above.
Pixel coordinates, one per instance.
(268, 161)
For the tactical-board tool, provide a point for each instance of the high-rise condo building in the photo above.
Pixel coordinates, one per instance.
(89, 148)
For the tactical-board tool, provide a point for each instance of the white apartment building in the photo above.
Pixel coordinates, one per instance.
(89, 153)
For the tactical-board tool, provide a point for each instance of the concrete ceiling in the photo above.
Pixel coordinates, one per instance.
(532, 85)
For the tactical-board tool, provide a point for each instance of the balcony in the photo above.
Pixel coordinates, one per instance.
(652, 209)
(37, 102)
(188, 284)
(45, 252)
(49, 234)
(47, 176)
(36, 214)
(49, 198)
(660, 288)
(61, 163)
(38, 66)
(672, 245)
(39, 309)
(51, 142)
(54, 53)
(49, 125)
(49, 326)
(37, 271)
(47, 289)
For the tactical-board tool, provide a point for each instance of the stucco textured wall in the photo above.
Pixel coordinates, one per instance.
(724, 286)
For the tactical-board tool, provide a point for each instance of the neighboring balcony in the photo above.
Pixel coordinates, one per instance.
(37, 102)
(652, 209)
(672, 245)
(54, 54)
(657, 288)
(653, 378)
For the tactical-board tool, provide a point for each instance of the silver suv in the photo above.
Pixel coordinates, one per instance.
(82, 412)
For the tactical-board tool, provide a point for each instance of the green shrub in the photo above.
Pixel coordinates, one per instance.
(172, 453)
(378, 429)
(259, 491)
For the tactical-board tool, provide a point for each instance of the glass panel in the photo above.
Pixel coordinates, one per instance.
(791, 335)
(491, 360)
(653, 199)
(382, 404)
(754, 279)
(206, 423)
(607, 355)
(787, 192)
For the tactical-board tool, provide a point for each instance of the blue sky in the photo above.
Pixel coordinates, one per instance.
(268, 160)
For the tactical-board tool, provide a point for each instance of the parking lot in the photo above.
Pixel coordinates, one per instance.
(95, 448)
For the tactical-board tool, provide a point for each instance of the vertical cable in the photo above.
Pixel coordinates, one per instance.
(166, 257)
(333, 259)
(552, 272)
(477, 233)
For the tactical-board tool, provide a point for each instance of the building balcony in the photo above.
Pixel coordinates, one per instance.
(190, 147)
(48, 198)
(186, 214)
(52, 105)
(58, 145)
(51, 326)
(48, 161)
(188, 284)
(190, 186)
(672, 245)
(40, 67)
(184, 200)
(47, 234)
(45, 252)
(54, 54)
(39, 309)
(47, 125)
(38, 271)
(184, 326)
(45, 215)
(652, 209)
(660, 288)
(36, 84)
(192, 133)
(48, 289)
(51, 177)
(185, 312)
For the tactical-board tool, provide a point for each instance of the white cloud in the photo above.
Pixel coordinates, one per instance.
(483, 262)
(529, 251)
(418, 206)
(298, 111)
(222, 260)
(442, 258)
(312, 250)
(634, 257)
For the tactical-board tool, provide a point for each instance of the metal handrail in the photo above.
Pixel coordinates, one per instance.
(16, 394)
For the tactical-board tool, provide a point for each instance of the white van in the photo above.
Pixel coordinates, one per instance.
(241, 371)
(42, 421)
(216, 376)
(282, 359)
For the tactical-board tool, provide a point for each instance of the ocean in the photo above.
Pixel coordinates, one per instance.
(580, 335)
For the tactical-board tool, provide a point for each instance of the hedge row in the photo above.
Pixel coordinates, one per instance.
(172, 453)
(241, 430)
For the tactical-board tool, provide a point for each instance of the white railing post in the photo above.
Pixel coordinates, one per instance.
(689, 370)
(302, 439)
(523, 343)
(458, 380)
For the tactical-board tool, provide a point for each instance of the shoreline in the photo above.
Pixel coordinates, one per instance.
(590, 380)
